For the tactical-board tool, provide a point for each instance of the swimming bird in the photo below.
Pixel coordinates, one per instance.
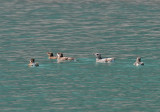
(60, 57)
(32, 63)
(138, 62)
(102, 60)
(51, 56)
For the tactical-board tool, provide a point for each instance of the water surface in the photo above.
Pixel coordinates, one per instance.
(122, 29)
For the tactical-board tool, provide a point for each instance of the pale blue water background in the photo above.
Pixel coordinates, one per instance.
(123, 29)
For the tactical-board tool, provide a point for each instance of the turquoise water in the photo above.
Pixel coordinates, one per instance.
(123, 29)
